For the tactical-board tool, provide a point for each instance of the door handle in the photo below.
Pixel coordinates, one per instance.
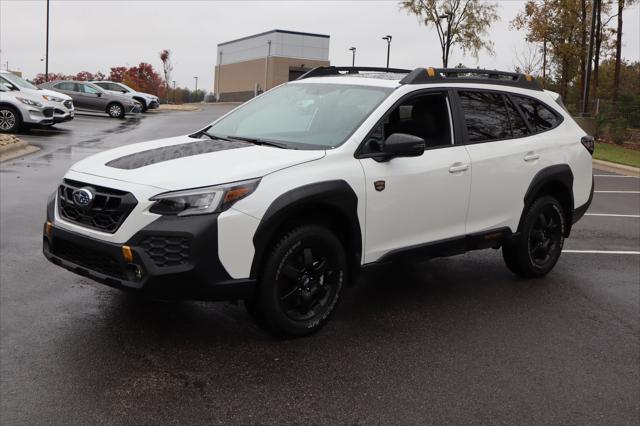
(458, 167)
(531, 156)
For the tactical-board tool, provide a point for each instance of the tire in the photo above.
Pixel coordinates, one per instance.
(537, 249)
(301, 282)
(115, 110)
(10, 119)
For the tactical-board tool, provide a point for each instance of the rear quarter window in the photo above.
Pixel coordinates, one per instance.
(539, 117)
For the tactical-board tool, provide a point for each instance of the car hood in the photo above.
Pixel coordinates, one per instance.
(186, 162)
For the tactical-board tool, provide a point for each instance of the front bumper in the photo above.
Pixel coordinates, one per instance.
(153, 105)
(173, 258)
(42, 116)
(132, 109)
(60, 116)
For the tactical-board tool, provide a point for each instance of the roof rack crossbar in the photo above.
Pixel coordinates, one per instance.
(470, 75)
(333, 71)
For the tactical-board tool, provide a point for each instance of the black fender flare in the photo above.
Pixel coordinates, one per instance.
(335, 195)
(558, 176)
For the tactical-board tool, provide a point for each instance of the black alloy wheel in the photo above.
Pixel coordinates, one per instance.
(302, 281)
(537, 248)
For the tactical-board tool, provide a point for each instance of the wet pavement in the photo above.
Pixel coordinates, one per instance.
(455, 340)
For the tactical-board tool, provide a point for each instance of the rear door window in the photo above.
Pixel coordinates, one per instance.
(485, 115)
(518, 126)
(539, 116)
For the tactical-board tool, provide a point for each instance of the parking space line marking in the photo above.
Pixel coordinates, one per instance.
(601, 251)
(618, 176)
(612, 215)
(617, 192)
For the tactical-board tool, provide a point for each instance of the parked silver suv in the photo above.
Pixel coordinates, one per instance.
(88, 96)
(147, 100)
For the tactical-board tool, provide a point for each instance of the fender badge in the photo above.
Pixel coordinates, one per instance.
(379, 185)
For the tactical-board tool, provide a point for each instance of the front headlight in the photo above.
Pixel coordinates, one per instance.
(212, 199)
(29, 102)
(52, 98)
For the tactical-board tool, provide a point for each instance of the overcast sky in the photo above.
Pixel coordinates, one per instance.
(95, 35)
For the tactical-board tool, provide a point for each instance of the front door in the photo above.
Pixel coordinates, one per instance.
(418, 200)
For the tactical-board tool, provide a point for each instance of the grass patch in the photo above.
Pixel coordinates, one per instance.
(617, 154)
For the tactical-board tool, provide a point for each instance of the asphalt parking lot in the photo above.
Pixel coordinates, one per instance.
(454, 340)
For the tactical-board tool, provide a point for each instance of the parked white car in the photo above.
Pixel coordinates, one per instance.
(286, 199)
(146, 100)
(19, 109)
(63, 108)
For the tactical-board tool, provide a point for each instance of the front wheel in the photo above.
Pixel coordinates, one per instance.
(115, 110)
(537, 249)
(302, 281)
(9, 120)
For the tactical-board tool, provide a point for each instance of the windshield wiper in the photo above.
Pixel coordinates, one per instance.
(258, 141)
(212, 136)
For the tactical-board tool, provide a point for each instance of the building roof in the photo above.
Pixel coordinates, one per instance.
(275, 31)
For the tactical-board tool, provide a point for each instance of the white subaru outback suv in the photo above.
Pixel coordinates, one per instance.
(285, 200)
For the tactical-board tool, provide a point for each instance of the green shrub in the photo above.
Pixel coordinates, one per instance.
(618, 130)
(600, 123)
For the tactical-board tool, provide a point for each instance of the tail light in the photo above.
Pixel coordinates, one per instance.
(589, 142)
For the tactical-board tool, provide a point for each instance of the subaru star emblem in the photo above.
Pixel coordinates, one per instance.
(83, 197)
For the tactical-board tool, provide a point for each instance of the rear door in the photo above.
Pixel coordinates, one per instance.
(507, 149)
(418, 200)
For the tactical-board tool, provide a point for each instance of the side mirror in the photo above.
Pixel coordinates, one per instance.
(98, 94)
(403, 145)
(123, 91)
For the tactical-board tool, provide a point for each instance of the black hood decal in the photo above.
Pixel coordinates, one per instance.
(167, 153)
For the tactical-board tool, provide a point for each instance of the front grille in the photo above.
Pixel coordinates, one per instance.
(110, 207)
(47, 112)
(167, 250)
(58, 111)
(88, 258)
(68, 104)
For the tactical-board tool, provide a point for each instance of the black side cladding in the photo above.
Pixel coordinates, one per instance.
(167, 153)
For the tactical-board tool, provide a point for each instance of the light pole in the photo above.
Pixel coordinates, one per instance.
(174, 91)
(218, 77)
(196, 78)
(266, 65)
(46, 58)
(445, 54)
(353, 58)
(388, 38)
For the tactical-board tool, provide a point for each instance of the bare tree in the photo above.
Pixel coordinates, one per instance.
(464, 23)
(529, 59)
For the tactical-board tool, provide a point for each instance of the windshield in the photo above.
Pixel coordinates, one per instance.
(18, 81)
(303, 115)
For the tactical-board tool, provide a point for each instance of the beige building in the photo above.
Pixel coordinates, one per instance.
(250, 65)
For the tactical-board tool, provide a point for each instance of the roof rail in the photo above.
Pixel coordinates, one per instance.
(470, 75)
(333, 71)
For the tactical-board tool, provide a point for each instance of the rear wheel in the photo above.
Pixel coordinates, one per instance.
(537, 249)
(301, 282)
(115, 110)
(9, 119)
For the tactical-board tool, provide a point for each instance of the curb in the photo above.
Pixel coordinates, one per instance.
(12, 147)
(18, 149)
(617, 168)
